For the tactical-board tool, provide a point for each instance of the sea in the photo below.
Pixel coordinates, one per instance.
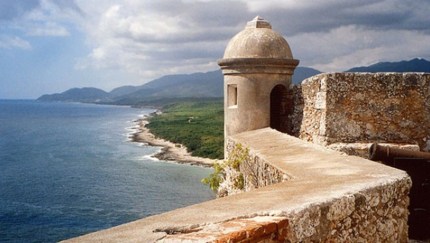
(67, 169)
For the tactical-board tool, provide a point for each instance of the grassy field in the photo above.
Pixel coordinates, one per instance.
(197, 125)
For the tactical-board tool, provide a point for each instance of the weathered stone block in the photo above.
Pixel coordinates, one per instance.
(363, 107)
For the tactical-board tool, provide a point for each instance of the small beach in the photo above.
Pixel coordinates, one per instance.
(170, 151)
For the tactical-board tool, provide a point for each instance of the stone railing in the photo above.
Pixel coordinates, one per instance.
(376, 214)
(330, 197)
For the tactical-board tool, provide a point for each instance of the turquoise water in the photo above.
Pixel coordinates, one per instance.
(67, 169)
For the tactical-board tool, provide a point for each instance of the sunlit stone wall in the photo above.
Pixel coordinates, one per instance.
(363, 107)
(376, 214)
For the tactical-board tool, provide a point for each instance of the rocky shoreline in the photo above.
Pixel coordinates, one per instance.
(170, 151)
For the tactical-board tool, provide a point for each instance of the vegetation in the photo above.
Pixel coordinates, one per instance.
(162, 101)
(215, 179)
(197, 125)
(237, 157)
(230, 169)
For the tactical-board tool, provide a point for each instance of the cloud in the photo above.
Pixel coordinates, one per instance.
(351, 46)
(46, 29)
(11, 42)
(168, 22)
(39, 17)
(323, 16)
(160, 37)
(157, 38)
(154, 38)
(14, 9)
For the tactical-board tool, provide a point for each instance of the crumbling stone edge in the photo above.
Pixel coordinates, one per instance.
(376, 214)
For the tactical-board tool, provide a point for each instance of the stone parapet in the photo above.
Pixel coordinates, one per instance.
(253, 171)
(258, 229)
(364, 107)
(374, 215)
(331, 197)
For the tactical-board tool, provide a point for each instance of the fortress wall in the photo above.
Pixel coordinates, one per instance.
(253, 171)
(376, 214)
(363, 107)
(329, 197)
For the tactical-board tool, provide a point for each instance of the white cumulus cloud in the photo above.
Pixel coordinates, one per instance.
(10, 42)
(150, 38)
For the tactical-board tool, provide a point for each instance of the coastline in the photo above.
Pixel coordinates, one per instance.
(170, 151)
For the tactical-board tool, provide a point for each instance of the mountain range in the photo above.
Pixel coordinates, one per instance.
(201, 85)
(418, 65)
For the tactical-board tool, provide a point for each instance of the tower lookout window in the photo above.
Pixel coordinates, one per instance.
(232, 95)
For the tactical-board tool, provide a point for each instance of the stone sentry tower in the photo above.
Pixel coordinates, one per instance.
(258, 66)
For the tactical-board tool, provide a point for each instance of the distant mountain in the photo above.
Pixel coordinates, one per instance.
(414, 65)
(179, 86)
(202, 85)
(78, 95)
(208, 84)
(302, 73)
(123, 90)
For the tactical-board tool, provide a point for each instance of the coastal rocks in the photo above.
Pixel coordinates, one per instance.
(169, 151)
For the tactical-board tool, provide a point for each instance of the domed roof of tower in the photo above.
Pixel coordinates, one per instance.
(258, 40)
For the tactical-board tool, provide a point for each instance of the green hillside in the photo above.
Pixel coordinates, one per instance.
(197, 125)
(78, 94)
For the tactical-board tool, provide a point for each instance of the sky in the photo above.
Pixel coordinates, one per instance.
(49, 46)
